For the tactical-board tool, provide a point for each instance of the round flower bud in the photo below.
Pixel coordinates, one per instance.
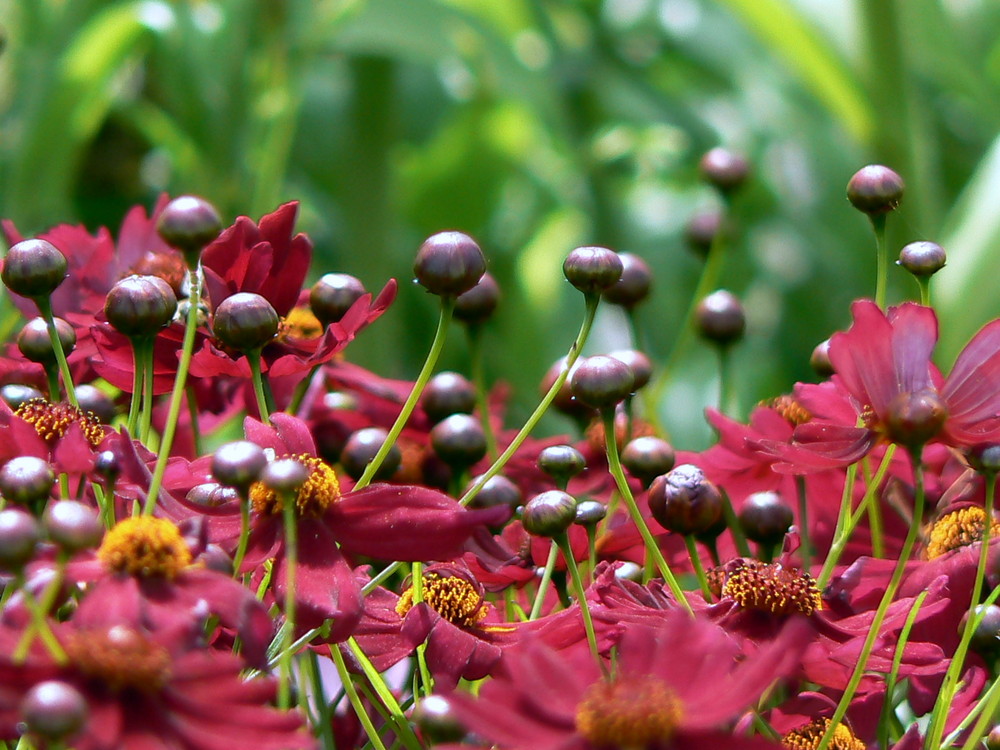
(648, 457)
(15, 394)
(629, 571)
(34, 343)
(54, 710)
(639, 363)
(361, 448)
(449, 263)
(590, 512)
(436, 720)
(684, 501)
(985, 458)
(765, 518)
(914, 418)
(549, 513)
(477, 305)
(633, 285)
(725, 169)
(215, 558)
(459, 440)
(245, 321)
(72, 525)
(238, 464)
(498, 490)
(106, 464)
(212, 495)
(448, 393)
(593, 269)
(33, 268)
(820, 359)
(139, 306)
(561, 462)
(93, 399)
(189, 223)
(875, 189)
(332, 296)
(922, 258)
(564, 401)
(719, 317)
(602, 381)
(993, 738)
(702, 228)
(19, 533)
(284, 475)
(986, 636)
(26, 480)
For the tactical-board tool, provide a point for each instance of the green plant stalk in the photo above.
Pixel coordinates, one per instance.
(447, 306)
(699, 569)
(881, 259)
(138, 373)
(147, 396)
(897, 660)
(924, 282)
(45, 307)
(615, 466)
(475, 336)
(591, 551)
(253, 357)
(990, 705)
(241, 546)
(883, 607)
(291, 565)
(950, 684)
(805, 543)
(403, 729)
(562, 541)
(543, 585)
(52, 377)
(352, 696)
(417, 582)
(733, 524)
(38, 611)
(177, 396)
(324, 719)
(874, 513)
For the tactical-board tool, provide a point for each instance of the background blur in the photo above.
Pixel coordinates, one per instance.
(535, 126)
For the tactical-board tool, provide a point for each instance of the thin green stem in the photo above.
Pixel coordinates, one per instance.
(291, 566)
(52, 376)
(352, 695)
(543, 585)
(324, 719)
(805, 542)
(241, 546)
(924, 282)
(384, 693)
(562, 541)
(897, 660)
(45, 307)
(138, 370)
(699, 569)
(882, 259)
(147, 395)
(447, 305)
(253, 357)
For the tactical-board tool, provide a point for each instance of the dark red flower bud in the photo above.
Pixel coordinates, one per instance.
(590, 512)
(189, 223)
(107, 465)
(634, 284)
(564, 401)
(33, 268)
(15, 394)
(820, 359)
(26, 480)
(284, 475)
(648, 457)
(549, 513)
(449, 263)
(986, 636)
(922, 258)
(34, 343)
(765, 517)
(73, 525)
(19, 534)
(725, 169)
(448, 393)
(602, 382)
(702, 228)
(684, 501)
(361, 448)
(639, 363)
(245, 322)
(140, 305)
(914, 418)
(985, 458)
(212, 495)
(97, 402)
(238, 464)
(54, 710)
(477, 305)
(720, 318)
(498, 490)
(993, 738)
(215, 558)
(593, 269)
(459, 440)
(333, 295)
(875, 189)
(561, 462)
(436, 720)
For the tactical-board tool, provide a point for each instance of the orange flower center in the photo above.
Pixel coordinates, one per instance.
(454, 598)
(809, 737)
(631, 713)
(957, 529)
(772, 588)
(145, 546)
(319, 492)
(120, 658)
(52, 420)
(300, 323)
(789, 408)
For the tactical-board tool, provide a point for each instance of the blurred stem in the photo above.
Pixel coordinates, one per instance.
(699, 570)
(543, 585)
(291, 565)
(881, 258)
(562, 540)
(897, 660)
(475, 336)
(45, 307)
(733, 524)
(924, 282)
(805, 542)
(147, 393)
(352, 695)
(52, 376)
(253, 357)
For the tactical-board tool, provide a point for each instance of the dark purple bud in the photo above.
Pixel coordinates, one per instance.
(284, 475)
(639, 363)
(448, 393)
(590, 512)
(765, 518)
(922, 258)
(189, 223)
(725, 169)
(215, 558)
(33, 268)
(561, 462)
(361, 448)
(914, 418)
(15, 394)
(54, 710)
(875, 189)
(602, 382)
(107, 465)
(97, 402)
(238, 464)
(436, 720)
(648, 457)
(634, 284)
(702, 228)
(140, 306)
(34, 343)
(986, 636)
(549, 513)
(26, 480)
(720, 318)
(212, 495)
(498, 490)
(820, 359)
(449, 263)
(332, 296)
(73, 525)
(245, 322)
(564, 401)
(985, 458)
(593, 269)
(459, 440)
(19, 534)
(684, 501)
(477, 305)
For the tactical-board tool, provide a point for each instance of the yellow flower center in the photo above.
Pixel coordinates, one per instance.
(772, 588)
(319, 492)
(809, 737)
(52, 420)
(454, 598)
(789, 408)
(145, 546)
(957, 529)
(120, 658)
(300, 323)
(631, 713)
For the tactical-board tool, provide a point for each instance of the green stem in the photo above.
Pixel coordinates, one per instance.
(562, 541)
(291, 566)
(138, 371)
(395, 711)
(543, 585)
(805, 546)
(447, 305)
(882, 259)
(699, 570)
(177, 396)
(352, 695)
(253, 357)
(52, 376)
(45, 306)
(482, 393)
(924, 282)
(734, 526)
(897, 660)
(241, 547)
(300, 391)
(324, 719)
(147, 395)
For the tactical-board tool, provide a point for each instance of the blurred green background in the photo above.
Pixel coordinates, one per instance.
(535, 126)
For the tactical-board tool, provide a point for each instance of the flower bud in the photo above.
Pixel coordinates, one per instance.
(684, 501)
(647, 458)
(72, 525)
(922, 258)
(100, 404)
(564, 401)
(189, 223)
(212, 495)
(765, 518)
(498, 490)
(593, 269)
(35, 344)
(719, 318)
(602, 382)
(985, 458)
(875, 189)
(549, 513)
(139, 306)
(15, 394)
(914, 418)
(702, 228)
(590, 512)
(19, 534)
(634, 284)
(284, 475)
(54, 710)
(449, 263)
(26, 480)
(436, 720)
(725, 169)
(245, 322)
(448, 393)
(107, 465)
(332, 296)
(986, 636)
(459, 440)
(33, 268)
(820, 359)
(477, 304)
(238, 464)
(361, 448)
(561, 462)
(629, 571)
(638, 363)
